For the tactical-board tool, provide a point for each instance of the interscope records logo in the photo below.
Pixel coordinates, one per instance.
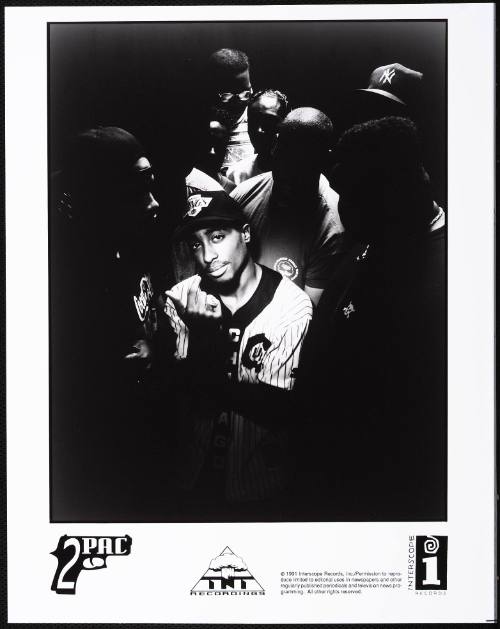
(427, 562)
(227, 574)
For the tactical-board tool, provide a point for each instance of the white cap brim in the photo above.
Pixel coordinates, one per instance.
(382, 93)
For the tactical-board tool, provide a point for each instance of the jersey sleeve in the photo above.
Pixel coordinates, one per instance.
(326, 247)
(179, 327)
(280, 364)
(254, 191)
(240, 193)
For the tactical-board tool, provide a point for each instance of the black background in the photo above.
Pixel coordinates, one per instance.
(148, 77)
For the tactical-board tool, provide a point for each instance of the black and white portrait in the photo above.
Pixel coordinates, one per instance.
(250, 313)
(248, 271)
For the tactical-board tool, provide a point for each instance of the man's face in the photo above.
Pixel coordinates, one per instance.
(220, 253)
(231, 95)
(136, 192)
(263, 120)
(358, 205)
(218, 136)
(135, 203)
(297, 164)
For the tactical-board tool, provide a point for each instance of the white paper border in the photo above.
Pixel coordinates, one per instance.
(142, 588)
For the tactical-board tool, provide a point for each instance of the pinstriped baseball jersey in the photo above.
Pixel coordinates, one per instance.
(263, 342)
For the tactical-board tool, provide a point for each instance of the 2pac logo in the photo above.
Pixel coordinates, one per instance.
(255, 350)
(227, 574)
(75, 554)
(431, 562)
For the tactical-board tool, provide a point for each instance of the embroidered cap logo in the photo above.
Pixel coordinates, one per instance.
(387, 76)
(145, 294)
(196, 203)
(348, 310)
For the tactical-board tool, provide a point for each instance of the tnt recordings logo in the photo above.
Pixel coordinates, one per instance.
(75, 554)
(227, 574)
(427, 562)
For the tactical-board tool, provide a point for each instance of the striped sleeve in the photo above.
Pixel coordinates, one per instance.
(179, 327)
(280, 363)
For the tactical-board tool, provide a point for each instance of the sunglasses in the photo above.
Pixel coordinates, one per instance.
(243, 97)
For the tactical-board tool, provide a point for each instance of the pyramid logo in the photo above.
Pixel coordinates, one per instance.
(227, 575)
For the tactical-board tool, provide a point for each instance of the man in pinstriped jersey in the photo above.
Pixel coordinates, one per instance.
(239, 330)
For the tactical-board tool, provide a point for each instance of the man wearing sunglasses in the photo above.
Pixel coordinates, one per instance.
(230, 89)
(266, 110)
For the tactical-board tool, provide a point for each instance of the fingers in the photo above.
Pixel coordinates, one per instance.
(213, 307)
(191, 297)
(143, 350)
(208, 306)
(201, 303)
(199, 306)
(133, 355)
(193, 293)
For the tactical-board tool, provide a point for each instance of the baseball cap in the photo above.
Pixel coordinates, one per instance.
(396, 82)
(209, 208)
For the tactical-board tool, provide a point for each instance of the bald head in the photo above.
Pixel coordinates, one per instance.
(307, 120)
(306, 127)
(305, 137)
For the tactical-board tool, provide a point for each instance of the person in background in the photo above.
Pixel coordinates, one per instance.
(214, 138)
(181, 144)
(266, 111)
(103, 319)
(392, 90)
(292, 210)
(229, 91)
(374, 370)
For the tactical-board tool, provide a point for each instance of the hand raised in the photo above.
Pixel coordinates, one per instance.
(201, 308)
(143, 350)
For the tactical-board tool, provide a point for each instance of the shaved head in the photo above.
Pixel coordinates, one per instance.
(305, 137)
(306, 122)
(228, 60)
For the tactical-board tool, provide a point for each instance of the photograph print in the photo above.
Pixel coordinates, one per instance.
(248, 271)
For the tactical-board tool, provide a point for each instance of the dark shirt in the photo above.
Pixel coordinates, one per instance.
(302, 243)
(103, 406)
(374, 382)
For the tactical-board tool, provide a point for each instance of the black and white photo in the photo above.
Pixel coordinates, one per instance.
(250, 305)
(326, 144)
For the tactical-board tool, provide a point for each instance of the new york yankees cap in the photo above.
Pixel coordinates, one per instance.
(396, 82)
(205, 209)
